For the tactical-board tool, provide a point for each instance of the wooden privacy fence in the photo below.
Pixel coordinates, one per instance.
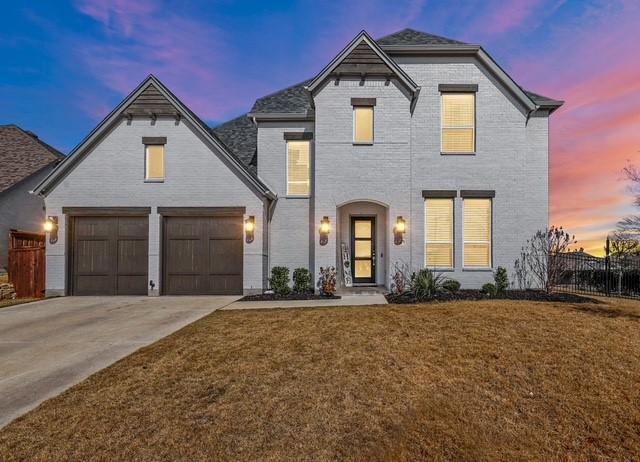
(27, 263)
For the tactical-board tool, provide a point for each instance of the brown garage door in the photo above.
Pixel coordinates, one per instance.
(202, 255)
(109, 255)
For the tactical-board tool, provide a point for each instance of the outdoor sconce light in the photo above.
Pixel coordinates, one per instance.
(324, 231)
(399, 230)
(51, 227)
(249, 229)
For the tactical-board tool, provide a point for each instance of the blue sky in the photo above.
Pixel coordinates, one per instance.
(65, 65)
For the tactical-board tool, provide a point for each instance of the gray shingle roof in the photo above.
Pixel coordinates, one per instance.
(240, 137)
(415, 37)
(292, 99)
(543, 100)
(22, 154)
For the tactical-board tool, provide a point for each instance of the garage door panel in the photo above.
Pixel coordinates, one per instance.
(110, 255)
(93, 256)
(132, 284)
(133, 256)
(225, 256)
(225, 228)
(210, 263)
(226, 285)
(92, 284)
(184, 256)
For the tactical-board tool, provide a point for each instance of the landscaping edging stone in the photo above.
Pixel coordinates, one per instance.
(472, 295)
(274, 297)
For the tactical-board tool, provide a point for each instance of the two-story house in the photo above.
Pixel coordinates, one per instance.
(411, 150)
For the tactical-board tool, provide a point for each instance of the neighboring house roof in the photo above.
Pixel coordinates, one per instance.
(22, 154)
(415, 37)
(159, 93)
(240, 135)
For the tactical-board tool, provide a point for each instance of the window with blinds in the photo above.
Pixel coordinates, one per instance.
(439, 233)
(458, 123)
(477, 233)
(298, 168)
(154, 163)
(363, 124)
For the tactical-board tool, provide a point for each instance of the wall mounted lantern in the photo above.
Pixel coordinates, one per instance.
(324, 230)
(51, 227)
(399, 230)
(249, 229)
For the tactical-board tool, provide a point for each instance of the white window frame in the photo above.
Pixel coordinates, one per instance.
(453, 234)
(147, 179)
(289, 194)
(479, 268)
(373, 125)
(442, 127)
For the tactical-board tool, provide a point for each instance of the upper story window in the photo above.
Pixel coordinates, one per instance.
(154, 158)
(458, 123)
(477, 233)
(298, 168)
(363, 120)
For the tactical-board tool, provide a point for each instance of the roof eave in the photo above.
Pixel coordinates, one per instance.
(267, 116)
(427, 50)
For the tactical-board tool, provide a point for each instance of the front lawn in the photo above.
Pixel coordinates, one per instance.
(498, 380)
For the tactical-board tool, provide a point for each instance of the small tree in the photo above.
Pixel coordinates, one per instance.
(302, 281)
(540, 259)
(401, 278)
(327, 280)
(501, 280)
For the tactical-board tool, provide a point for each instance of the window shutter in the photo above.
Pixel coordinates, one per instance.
(298, 168)
(477, 233)
(439, 233)
(458, 122)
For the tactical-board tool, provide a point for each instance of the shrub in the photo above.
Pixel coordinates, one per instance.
(327, 281)
(401, 280)
(302, 281)
(501, 280)
(489, 289)
(279, 280)
(451, 286)
(425, 283)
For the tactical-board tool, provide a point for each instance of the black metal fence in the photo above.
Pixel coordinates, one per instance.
(611, 276)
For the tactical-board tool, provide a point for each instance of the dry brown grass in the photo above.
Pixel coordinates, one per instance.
(492, 380)
(17, 301)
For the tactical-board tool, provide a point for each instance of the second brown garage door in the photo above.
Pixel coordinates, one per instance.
(202, 255)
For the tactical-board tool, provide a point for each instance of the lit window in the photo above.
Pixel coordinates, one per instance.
(477, 233)
(458, 123)
(439, 233)
(154, 163)
(298, 168)
(363, 124)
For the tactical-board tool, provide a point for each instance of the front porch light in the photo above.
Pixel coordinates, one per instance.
(249, 229)
(324, 230)
(399, 230)
(51, 226)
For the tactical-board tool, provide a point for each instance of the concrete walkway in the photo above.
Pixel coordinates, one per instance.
(48, 346)
(346, 300)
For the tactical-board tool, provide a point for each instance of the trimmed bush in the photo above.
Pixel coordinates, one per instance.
(451, 285)
(501, 280)
(489, 289)
(279, 280)
(302, 281)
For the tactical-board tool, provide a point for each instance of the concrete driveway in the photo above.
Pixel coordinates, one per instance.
(47, 346)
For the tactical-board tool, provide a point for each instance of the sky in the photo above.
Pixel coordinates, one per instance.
(65, 65)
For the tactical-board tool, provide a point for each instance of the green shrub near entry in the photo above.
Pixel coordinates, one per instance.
(489, 289)
(451, 286)
(425, 283)
(279, 280)
(302, 281)
(501, 280)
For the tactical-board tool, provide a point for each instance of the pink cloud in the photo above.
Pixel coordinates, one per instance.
(187, 54)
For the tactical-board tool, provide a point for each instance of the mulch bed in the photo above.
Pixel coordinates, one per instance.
(293, 296)
(531, 295)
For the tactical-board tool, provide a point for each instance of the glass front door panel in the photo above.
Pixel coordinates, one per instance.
(362, 229)
(363, 249)
(362, 269)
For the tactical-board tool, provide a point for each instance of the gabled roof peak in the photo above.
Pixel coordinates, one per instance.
(415, 37)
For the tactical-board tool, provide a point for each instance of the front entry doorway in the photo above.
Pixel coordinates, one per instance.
(363, 249)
